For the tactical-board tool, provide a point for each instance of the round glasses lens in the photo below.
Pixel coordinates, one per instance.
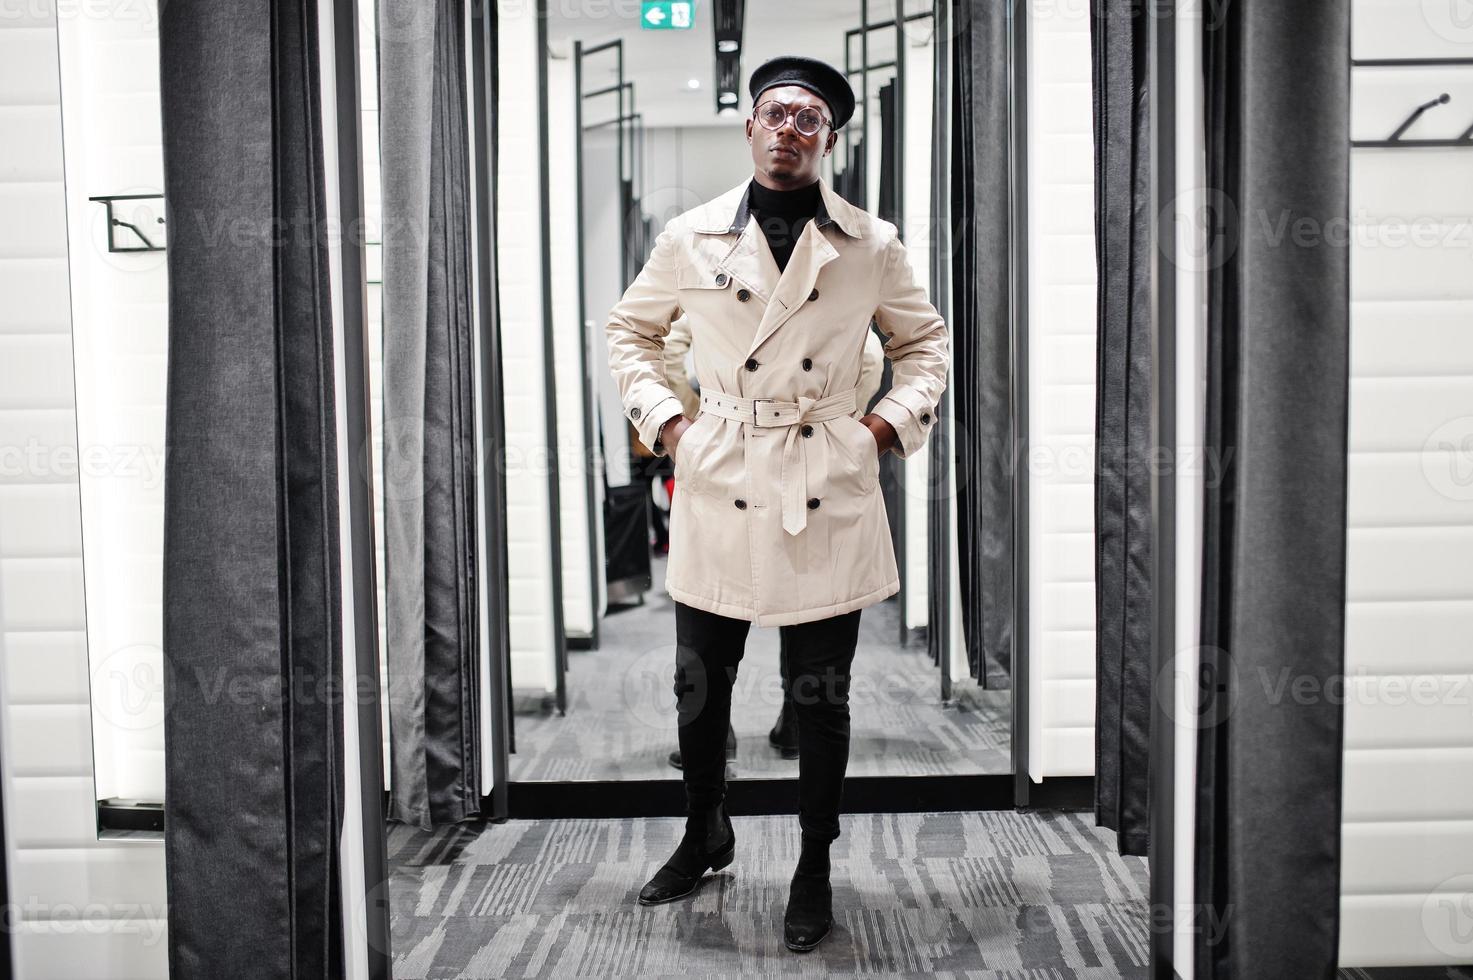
(771, 115)
(808, 121)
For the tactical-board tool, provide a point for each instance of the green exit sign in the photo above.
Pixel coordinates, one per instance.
(666, 15)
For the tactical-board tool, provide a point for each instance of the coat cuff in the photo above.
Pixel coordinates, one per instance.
(656, 407)
(910, 415)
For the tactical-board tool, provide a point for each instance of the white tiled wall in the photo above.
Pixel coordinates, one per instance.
(915, 144)
(519, 194)
(1407, 876)
(581, 604)
(1061, 404)
(59, 872)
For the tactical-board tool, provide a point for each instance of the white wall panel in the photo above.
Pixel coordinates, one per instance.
(1061, 404)
(574, 457)
(58, 869)
(519, 195)
(1407, 875)
(915, 228)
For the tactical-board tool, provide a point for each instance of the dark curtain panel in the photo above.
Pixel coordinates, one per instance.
(633, 257)
(981, 209)
(430, 536)
(1273, 599)
(888, 205)
(848, 183)
(252, 597)
(1123, 536)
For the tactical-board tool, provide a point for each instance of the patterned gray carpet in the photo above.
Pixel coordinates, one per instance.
(620, 722)
(985, 895)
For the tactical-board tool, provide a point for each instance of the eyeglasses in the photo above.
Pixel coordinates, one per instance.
(807, 120)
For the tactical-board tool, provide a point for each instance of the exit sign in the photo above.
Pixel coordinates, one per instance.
(666, 15)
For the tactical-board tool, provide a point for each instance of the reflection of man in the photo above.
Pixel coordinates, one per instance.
(784, 734)
(780, 520)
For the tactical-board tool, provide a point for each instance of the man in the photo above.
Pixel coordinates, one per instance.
(779, 519)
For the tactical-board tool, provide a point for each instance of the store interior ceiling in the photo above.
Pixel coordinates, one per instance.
(662, 64)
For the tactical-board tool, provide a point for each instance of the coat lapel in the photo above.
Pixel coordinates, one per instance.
(811, 253)
(750, 262)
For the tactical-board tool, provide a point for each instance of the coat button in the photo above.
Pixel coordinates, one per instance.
(807, 431)
(740, 503)
(743, 295)
(813, 503)
(721, 279)
(751, 364)
(808, 364)
(925, 417)
(813, 296)
(634, 413)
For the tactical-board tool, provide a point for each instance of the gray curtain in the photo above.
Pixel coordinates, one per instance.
(981, 211)
(429, 490)
(1273, 603)
(1123, 451)
(252, 639)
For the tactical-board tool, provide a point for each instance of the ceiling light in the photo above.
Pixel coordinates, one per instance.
(728, 98)
(693, 83)
(728, 46)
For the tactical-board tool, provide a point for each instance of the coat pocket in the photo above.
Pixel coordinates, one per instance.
(862, 461)
(687, 452)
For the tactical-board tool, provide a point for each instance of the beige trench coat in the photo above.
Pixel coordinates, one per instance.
(779, 521)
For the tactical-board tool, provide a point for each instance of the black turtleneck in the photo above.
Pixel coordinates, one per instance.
(781, 215)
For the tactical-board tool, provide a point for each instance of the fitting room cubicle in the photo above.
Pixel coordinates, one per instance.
(567, 164)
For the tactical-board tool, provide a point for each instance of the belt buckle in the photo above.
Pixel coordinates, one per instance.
(756, 415)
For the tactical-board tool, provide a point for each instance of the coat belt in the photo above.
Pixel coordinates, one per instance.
(774, 412)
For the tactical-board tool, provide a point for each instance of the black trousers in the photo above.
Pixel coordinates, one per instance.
(708, 650)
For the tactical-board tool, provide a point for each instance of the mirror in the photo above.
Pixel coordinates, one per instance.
(655, 139)
(117, 242)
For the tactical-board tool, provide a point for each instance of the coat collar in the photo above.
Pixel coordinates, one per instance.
(729, 213)
(749, 262)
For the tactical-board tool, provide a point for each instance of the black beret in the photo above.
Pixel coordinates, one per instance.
(823, 80)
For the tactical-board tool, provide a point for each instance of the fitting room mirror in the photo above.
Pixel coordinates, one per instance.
(117, 243)
(658, 129)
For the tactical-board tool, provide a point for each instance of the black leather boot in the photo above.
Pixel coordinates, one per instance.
(709, 844)
(731, 749)
(809, 916)
(784, 735)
